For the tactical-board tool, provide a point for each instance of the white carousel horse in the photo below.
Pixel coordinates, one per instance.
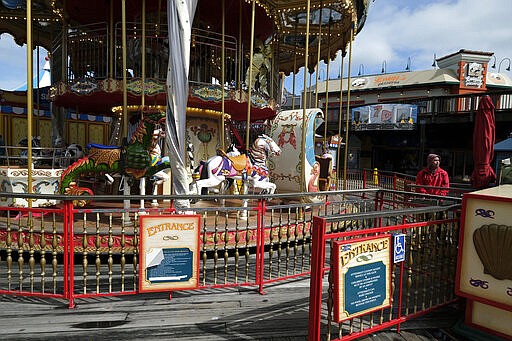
(251, 168)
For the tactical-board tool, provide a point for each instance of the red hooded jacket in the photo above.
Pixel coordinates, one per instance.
(437, 178)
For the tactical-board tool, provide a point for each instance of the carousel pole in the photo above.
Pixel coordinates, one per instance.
(240, 53)
(249, 81)
(340, 118)
(310, 93)
(30, 98)
(60, 111)
(142, 181)
(348, 109)
(294, 64)
(304, 101)
(111, 42)
(223, 80)
(126, 186)
(303, 158)
(37, 89)
(244, 214)
(275, 66)
(327, 80)
(318, 56)
(125, 93)
(326, 110)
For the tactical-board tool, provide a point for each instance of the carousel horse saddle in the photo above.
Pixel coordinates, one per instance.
(240, 162)
(101, 146)
(101, 152)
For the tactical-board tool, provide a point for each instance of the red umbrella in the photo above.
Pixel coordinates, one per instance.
(483, 144)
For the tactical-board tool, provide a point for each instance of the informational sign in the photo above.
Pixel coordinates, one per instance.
(362, 276)
(398, 248)
(169, 249)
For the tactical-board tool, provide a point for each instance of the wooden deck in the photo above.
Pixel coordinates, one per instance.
(216, 314)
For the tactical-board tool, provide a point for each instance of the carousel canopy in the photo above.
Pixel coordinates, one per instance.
(281, 25)
(279, 22)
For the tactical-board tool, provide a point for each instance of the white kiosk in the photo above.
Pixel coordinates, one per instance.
(484, 269)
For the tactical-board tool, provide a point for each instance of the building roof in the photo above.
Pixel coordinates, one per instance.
(499, 80)
(405, 79)
(391, 80)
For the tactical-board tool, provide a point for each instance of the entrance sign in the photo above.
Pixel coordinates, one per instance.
(169, 249)
(362, 276)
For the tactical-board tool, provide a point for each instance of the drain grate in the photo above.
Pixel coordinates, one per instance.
(99, 324)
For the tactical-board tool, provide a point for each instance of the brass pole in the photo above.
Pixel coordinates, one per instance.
(277, 64)
(125, 93)
(143, 76)
(240, 54)
(310, 93)
(318, 55)
(326, 118)
(340, 118)
(223, 80)
(64, 76)
(38, 94)
(111, 41)
(248, 121)
(348, 109)
(303, 158)
(295, 64)
(63, 57)
(30, 98)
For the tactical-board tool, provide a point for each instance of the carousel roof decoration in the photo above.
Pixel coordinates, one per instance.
(280, 23)
(210, 96)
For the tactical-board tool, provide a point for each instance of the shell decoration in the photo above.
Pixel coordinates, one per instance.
(493, 243)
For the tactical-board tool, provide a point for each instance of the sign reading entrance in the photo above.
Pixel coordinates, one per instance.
(362, 276)
(169, 249)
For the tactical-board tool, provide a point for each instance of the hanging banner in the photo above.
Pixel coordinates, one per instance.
(385, 117)
(362, 276)
(169, 250)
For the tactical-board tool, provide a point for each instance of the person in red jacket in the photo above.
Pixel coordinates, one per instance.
(434, 176)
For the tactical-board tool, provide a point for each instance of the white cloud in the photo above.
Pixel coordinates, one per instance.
(398, 29)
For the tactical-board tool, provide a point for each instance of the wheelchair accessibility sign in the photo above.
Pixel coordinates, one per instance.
(398, 248)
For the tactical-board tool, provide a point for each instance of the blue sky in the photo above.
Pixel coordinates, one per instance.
(399, 30)
(395, 31)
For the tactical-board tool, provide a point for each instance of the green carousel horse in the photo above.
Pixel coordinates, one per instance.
(133, 160)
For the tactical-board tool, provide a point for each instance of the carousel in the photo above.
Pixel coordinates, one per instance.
(214, 72)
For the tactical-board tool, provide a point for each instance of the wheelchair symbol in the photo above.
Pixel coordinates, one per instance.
(399, 248)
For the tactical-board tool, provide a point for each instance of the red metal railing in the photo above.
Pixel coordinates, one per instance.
(94, 251)
(423, 282)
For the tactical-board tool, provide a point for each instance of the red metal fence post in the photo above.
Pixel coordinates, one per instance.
(317, 270)
(69, 253)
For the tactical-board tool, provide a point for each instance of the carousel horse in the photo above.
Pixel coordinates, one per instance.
(132, 160)
(36, 143)
(36, 151)
(251, 168)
